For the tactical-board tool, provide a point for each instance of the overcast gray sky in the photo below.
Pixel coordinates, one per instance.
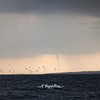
(88, 7)
(34, 27)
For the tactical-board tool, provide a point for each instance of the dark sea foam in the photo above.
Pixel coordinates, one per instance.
(76, 87)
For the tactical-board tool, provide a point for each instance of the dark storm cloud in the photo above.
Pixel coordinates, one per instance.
(31, 34)
(88, 7)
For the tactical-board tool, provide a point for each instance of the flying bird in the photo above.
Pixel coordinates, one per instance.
(1, 71)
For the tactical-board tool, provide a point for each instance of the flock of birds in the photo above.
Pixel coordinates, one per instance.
(31, 69)
(28, 69)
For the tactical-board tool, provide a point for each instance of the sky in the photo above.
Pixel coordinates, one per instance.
(50, 33)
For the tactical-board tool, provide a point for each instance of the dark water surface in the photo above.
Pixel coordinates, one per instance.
(76, 87)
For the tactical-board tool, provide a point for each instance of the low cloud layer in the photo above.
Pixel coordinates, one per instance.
(25, 35)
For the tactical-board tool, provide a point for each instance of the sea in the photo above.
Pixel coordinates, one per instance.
(76, 87)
